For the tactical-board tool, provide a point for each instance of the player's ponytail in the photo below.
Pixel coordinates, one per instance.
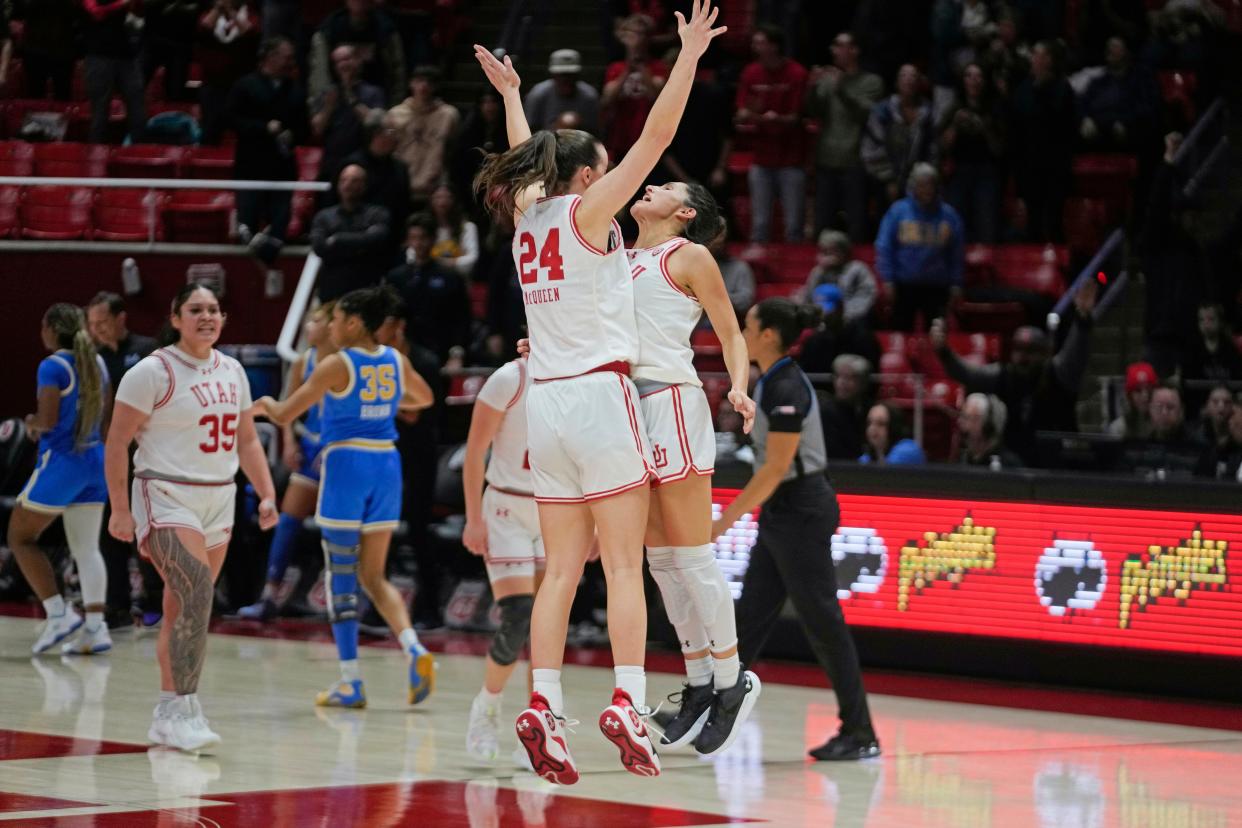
(788, 318)
(547, 158)
(68, 323)
(707, 223)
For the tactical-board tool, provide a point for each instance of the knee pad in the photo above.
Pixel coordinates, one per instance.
(708, 591)
(514, 629)
(691, 634)
(341, 563)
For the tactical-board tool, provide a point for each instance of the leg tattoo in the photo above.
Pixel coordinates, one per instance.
(190, 581)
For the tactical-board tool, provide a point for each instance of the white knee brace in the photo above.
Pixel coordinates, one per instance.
(82, 525)
(705, 585)
(677, 602)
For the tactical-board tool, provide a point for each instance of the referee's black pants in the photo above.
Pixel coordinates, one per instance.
(792, 558)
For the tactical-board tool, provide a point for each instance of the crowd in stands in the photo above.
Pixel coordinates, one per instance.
(897, 162)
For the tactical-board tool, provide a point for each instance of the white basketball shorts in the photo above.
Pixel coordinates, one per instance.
(587, 438)
(679, 427)
(514, 543)
(205, 509)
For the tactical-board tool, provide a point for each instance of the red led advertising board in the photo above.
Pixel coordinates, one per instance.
(1153, 580)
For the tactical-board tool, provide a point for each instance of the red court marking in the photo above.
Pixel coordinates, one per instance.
(22, 744)
(432, 803)
(13, 802)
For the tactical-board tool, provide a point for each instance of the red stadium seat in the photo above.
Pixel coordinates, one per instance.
(16, 80)
(998, 317)
(704, 341)
(76, 113)
(302, 213)
(1108, 176)
(980, 271)
(16, 158)
(57, 213)
(939, 427)
(10, 199)
(145, 161)
(1086, 223)
(208, 162)
(1029, 267)
(478, 300)
(768, 291)
(199, 216)
(128, 215)
(1177, 90)
(71, 160)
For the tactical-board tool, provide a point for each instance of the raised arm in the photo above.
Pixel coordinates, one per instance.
(694, 267)
(505, 78)
(603, 200)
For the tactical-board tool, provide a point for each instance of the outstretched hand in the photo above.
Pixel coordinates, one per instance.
(502, 75)
(697, 33)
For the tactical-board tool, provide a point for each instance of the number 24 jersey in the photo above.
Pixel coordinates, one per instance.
(193, 409)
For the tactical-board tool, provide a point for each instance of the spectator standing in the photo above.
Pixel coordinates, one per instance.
(972, 140)
(1212, 356)
(1042, 130)
(1119, 106)
(844, 410)
(341, 113)
(770, 95)
(267, 108)
(564, 92)
(630, 87)
(887, 440)
(225, 50)
(48, 45)
(425, 125)
(920, 251)
(111, 33)
(169, 42)
(351, 237)
(704, 140)
(436, 300)
(120, 350)
(376, 42)
(388, 179)
(900, 133)
(836, 265)
(1135, 420)
(981, 426)
(457, 238)
(960, 31)
(482, 134)
(739, 279)
(1039, 391)
(842, 96)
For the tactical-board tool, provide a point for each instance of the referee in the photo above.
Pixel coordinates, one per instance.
(792, 556)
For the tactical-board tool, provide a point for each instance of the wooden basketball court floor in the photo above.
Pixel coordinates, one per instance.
(72, 753)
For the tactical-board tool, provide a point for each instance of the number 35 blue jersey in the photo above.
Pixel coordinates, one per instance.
(367, 408)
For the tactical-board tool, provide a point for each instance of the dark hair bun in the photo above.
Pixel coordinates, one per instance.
(809, 316)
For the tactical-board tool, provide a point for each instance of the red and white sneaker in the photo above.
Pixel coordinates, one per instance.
(542, 734)
(622, 725)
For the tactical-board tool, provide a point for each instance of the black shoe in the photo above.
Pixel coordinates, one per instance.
(843, 748)
(683, 726)
(118, 619)
(729, 710)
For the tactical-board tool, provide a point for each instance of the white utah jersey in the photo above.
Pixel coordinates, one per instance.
(193, 409)
(505, 390)
(666, 316)
(579, 300)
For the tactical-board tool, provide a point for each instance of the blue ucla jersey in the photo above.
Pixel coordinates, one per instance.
(60, 371)
(367, 408)
(312, 421)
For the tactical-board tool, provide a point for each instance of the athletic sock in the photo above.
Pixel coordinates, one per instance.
(408, 638)
(350, 671)
(167, 696)
(94, 620)
(548, 684)
(489, 698)
(699, 671)
(54, 606)
(726, 671)
(633, 680)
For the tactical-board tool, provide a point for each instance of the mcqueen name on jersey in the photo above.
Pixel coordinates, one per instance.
(541, 296)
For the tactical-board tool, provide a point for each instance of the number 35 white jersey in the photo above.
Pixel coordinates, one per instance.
(194, 407)
(579, 299)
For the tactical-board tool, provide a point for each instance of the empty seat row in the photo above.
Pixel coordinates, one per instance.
(72, 159)
(116, 214)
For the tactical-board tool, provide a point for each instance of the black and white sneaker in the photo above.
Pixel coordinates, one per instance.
(843, 748)
(695, 704)
(729, 711)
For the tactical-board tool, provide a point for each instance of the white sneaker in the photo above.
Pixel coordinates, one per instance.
(56, 629)
(89, 642)
(483, 731)
(157, 733)
(186, 728)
